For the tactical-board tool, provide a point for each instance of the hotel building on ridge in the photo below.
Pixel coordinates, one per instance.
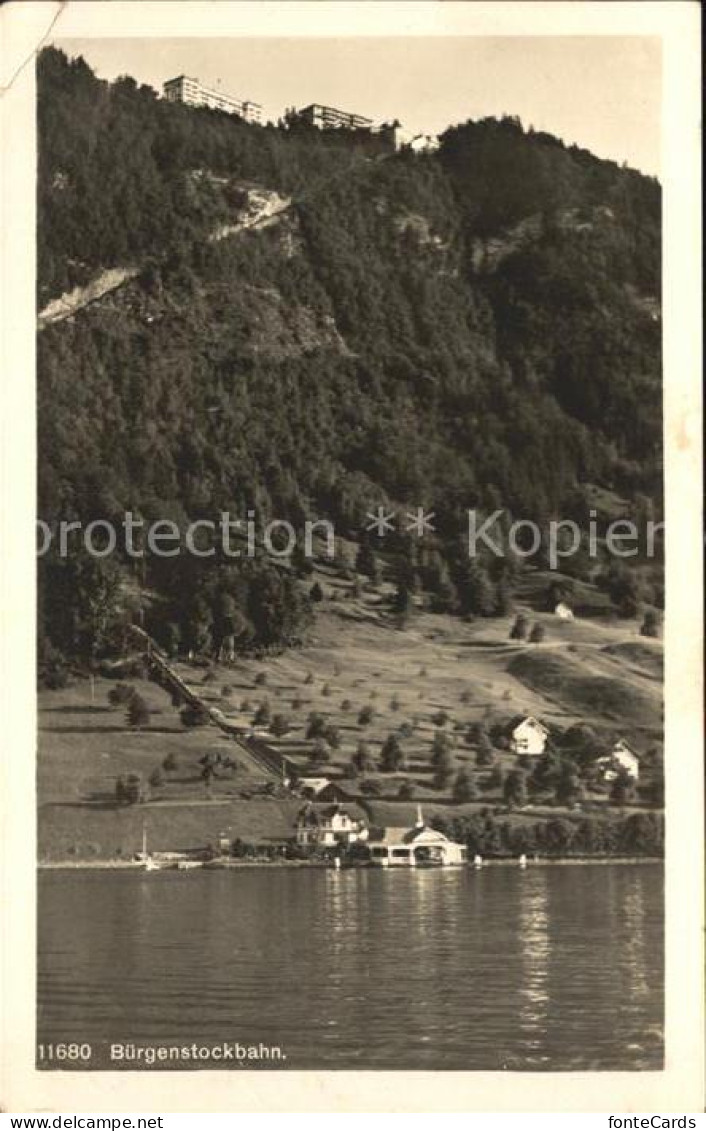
(329, 118)
(194, 93)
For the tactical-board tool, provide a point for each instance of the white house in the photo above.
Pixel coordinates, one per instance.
(563, 611)
(418, 847)
(622, 759)
(328, 827)
(424, 143)
(528, 736)
(312, 786)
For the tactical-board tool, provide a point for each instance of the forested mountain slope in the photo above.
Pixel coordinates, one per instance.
(474, 328)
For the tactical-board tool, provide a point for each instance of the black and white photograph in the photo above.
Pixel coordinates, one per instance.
(351, 524)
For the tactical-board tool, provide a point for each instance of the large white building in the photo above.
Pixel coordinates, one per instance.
(194, 93)
(330, 118)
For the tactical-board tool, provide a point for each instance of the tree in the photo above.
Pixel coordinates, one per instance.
(519, 628)
(170, 763)
(316, 593)
(332, 736)
(120, 790)
(316, 725)
(367, 563)
(569, 788)
(279, 726)
(365, 716)
(363, 759)
(320, 751)
(515, 789)
(441, 749)
(121, 695)
(156, 778)
(485, 755)
(537, 634)
(135, 790)
(546, 772)
(464, 787)
(138, 713)
(263, 714)
(622, 790)
(651, 623)
(392, 756)
(475, 590)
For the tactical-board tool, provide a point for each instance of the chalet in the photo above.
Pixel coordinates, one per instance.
(329, 826)
(621, 760)
(528, 736)
(416, 847)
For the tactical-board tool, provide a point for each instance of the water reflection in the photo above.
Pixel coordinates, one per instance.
(533, 902)
(552, 967)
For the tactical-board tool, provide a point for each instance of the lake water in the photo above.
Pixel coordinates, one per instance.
(550, 968)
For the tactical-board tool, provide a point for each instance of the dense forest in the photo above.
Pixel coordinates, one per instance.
(478, 327)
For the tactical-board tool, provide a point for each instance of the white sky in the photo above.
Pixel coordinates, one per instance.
(601, 92)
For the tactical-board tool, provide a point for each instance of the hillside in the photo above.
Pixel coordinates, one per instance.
(307, 326)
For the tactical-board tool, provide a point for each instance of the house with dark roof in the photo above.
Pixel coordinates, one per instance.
(329, 826)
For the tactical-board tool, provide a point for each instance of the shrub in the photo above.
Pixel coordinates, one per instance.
(316, 593)
(326, 690)
(537, 634)
(263, 714)
(156, 778)
(346, 705)
(370, 788)
(406, 791)
(260, 679)
(170, 763)
(194, 716)
(279, 726)
(394, 703)
(138, 713)
(440, 719)
(308, 678)
(365, 716)
(227, 690)
(121, 695)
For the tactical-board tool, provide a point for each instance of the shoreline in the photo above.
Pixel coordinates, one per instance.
(229, 865)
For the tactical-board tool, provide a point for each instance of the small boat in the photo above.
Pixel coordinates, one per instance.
(187, 865)
(522, 860)
(477, 861)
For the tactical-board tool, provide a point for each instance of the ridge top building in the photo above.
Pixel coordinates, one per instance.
(192, 92)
